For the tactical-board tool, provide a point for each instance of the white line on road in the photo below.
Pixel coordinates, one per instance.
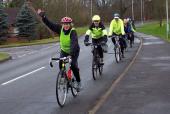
(22, 56)
(152, 43)
(22, 76)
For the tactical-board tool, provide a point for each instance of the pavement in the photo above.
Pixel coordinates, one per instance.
(145, 88)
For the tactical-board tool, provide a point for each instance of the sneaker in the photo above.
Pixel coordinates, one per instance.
(78, 86)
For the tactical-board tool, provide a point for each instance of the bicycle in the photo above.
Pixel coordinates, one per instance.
(117, 48)
(97, 67)
(65, 81)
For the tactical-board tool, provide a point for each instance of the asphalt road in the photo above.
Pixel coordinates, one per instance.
(27, 83)
(145, 88)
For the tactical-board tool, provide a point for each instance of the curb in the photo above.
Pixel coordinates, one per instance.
(104, 97)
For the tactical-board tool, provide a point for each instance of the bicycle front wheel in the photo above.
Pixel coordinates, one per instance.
(117, 54)
(61, 88)
(94, 69)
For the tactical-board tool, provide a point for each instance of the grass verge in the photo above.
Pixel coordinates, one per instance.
(4, 56)
(155, 30)
(80, 31)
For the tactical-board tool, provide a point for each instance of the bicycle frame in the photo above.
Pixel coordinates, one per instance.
(65, 80)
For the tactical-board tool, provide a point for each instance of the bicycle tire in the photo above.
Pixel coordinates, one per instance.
(94, 69)
(73, 87)
(61, 80)
(117, 54)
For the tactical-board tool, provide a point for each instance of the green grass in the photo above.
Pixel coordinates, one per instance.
(33, 42)
(155, 30)
(80, 31)
(3, 56)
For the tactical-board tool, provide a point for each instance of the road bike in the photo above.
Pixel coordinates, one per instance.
(65, 80)
(117, 48)
(97, 67)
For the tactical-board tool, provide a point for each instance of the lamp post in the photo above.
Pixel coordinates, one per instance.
(91, 8)
(133, 11)
(167, 23)
(66, 7)
(142, 12)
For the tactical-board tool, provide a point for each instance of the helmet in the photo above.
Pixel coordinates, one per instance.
(116, 16)
(96, 18)
(129, 19)
(66, 20)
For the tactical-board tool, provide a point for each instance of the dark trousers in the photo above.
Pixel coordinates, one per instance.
(74, 64)
(99, 48)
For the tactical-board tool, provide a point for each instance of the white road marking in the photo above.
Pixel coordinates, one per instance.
(21, 56)
(152, 43)
(10, 81)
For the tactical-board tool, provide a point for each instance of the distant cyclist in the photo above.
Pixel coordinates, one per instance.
(117, 28)
(131, 30)
(98, 34)
(68, 42)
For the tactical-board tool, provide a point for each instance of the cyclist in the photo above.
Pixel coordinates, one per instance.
(117, 28)
(68, 42)
(132, 26)
(98, 33)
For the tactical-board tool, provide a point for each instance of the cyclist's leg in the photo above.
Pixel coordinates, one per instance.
(100, 50)
(113, 40)
(122, 46)
(133, 37)
(74, 67)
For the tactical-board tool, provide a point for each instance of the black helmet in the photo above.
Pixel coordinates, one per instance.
(116, 15)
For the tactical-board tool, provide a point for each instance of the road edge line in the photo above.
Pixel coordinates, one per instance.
(114, 84)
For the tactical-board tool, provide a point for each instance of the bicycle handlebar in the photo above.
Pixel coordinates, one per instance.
(95, 44)
(65, 59)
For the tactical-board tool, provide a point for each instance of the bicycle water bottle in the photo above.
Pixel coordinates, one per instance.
(69, 74)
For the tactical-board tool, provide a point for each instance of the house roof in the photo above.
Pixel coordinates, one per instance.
(12, 14)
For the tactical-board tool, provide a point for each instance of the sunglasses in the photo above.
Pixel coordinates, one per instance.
(96, 21)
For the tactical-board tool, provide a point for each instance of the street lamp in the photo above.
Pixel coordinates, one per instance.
(167, 23)
(142, 11)
(91, 8)
(66, 7)
(133, 11)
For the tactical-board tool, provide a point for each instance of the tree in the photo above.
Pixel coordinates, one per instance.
(16, 3)
(26, 23)
(3, 23)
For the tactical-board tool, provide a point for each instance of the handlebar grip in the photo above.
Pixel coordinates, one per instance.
(51, 64)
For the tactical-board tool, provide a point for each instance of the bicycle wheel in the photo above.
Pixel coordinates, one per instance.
(74, 87)
(94, 69)
(61, 88)
(117, 54)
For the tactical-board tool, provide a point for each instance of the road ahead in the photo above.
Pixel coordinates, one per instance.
(27, 83)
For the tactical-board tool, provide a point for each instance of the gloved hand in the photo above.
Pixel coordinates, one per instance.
(41, 13)
(110, 36)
